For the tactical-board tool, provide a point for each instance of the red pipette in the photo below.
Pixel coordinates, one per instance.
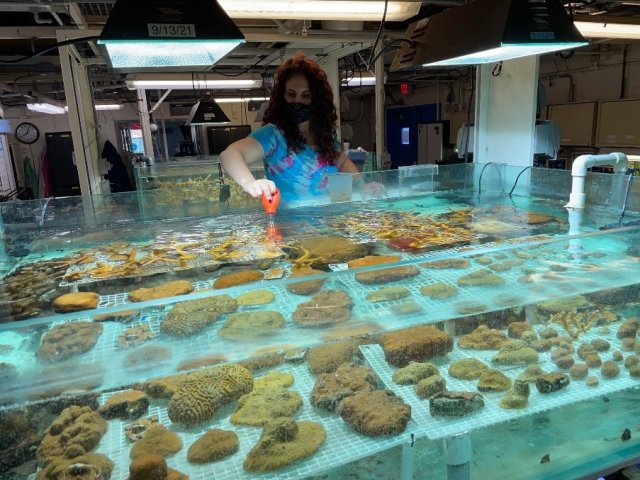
(270, 207)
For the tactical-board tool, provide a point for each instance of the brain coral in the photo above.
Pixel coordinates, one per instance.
(188, 318)
(198, 397)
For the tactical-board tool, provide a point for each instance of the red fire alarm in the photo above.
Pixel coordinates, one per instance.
(404, 89)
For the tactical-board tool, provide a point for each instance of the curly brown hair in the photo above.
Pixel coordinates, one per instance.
(323, 117)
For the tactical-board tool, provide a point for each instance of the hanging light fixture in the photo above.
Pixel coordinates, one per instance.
(48, 107)
(487, 31)
(142, 36)
(207, 112)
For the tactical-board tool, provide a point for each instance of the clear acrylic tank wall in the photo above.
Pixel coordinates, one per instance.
(370, 337)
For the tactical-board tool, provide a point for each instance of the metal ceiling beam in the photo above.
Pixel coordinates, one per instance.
(79, 20)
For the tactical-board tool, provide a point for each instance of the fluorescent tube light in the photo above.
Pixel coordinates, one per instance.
(359, 82)
(509, 29)
(241, 99)
(46, 108)
(108, 106)
(140, 36)
(608, 30)
(320, 9)
(196, 84)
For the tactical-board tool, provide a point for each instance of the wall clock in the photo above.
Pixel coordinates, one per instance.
(27, 133)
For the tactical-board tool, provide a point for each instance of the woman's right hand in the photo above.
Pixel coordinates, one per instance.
(256, 188)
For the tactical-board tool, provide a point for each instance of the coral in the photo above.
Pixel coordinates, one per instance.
(609, 369)
(387, 275)
(147, 355)
(467, 369)
(57, 467)
(483, 338)
(157, 440)
(134, 336)
(439, 291)
(75, 425)
(192, 316)
(325, 308)
(273, 380)
(256, 297)
(458, 263)
(517, 397)
(481, 278)
(387, 294)
(516, 329)
(414, 372)
(237, 278)
(407, 308)
(328, 249)
(258, 407)
(214, 445)
(151, 466)
(71, 302)
(375, 413)
(578, 370)
(331, 388)
(327, 358)
(516, 352)
(168, 289)
(204, 391)
(415, 344)
(163, 387)
(552, 382)
(252, 325)
(69, 339)
(283, 441)
(493, 381)
(455, 404)
(307, 287)
(370, 260)
(427, 387)
(126, 405)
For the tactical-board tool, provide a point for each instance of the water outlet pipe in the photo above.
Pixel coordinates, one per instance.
(617, 160)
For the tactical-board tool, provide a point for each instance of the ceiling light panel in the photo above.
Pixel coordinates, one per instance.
(320, 9)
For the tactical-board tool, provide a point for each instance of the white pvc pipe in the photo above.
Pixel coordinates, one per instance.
(617, 160)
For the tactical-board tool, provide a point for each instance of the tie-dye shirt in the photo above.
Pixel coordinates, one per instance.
(296, 174)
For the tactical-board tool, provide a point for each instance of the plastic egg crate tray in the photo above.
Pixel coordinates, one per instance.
(341, 446)
(492, 413)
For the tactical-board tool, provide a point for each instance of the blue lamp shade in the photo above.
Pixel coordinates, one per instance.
(5, 126)
(487, 31)
(146, 36)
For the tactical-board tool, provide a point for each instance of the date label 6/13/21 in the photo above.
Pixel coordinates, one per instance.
(179, 30)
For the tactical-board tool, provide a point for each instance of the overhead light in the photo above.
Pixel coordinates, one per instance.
(181, 82)
(207, 112)
(358, 82)
(142, 36)
(241, 99)
(600, 29)
(321, 9)
(487, 31)
(46, 107)
(108, 106)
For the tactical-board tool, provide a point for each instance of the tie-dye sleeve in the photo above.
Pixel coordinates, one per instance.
(268, 136)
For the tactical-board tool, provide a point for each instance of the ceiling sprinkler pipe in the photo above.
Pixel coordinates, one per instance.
(617, 160)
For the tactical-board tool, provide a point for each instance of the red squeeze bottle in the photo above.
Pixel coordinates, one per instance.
(271, 205)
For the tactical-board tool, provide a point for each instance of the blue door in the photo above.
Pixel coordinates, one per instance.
(402, 131)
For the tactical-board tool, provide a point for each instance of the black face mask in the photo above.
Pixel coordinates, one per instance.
(299, 112)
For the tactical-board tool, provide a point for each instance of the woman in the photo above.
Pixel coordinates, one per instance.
(297, 142)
